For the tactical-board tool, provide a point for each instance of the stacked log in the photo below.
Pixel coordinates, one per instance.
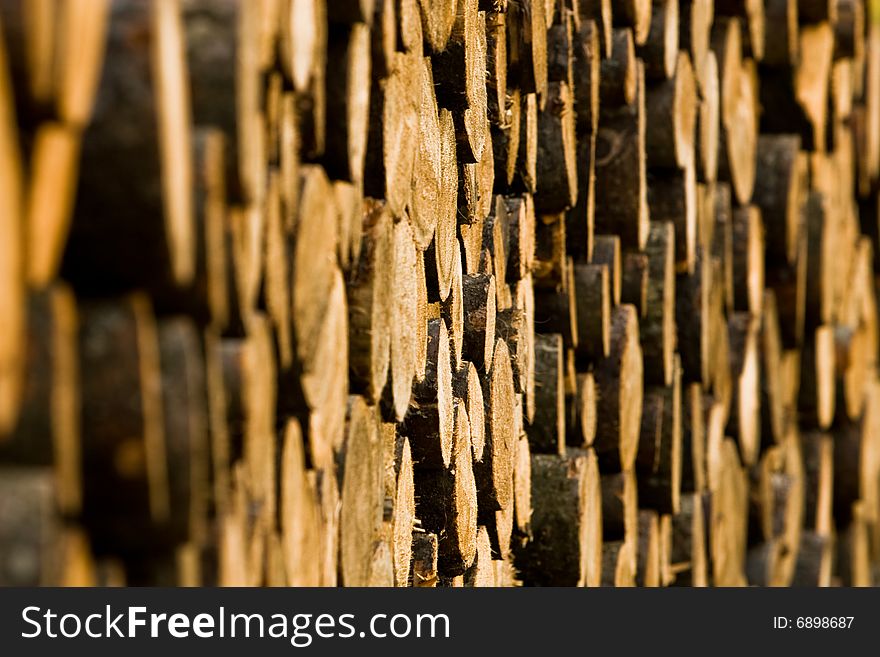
(439, 293)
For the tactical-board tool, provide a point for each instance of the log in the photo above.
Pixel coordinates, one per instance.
(460, 76)
(479, 305)
(124, 449)
(607, 252)
(619, 380)
(586, 46)
(772, 412)
(815, 11)
(152, 167)
(482, 573)
(790, 285)
(207, 297)
(348, 103)
(496, 64)
(620, 508)
(688, 543)
(256, 373)
(619, 73)
(547, 430)
(48, 430)
(220, 73)
(648, 573)
(369, 304)
(581, 430)
(327, 491)
(54, 167)
(349, 206)
(549, 269)
(556, 308)
(300, 519)
(393, 132)
(566, 550)
(185, 426)
(727, 529)
(496, 245)
(634, 282)
(751, 12)
(815, 558)
(301, 39)
(621, 197)
(447, 502)
(817, 389)
(777, 491)
(660, 49)
(748, 260)
(527, 41)
(659, 457)
(802, 95)
(781, 45)
(560, 29)
(692, 320)
(617, 567)
(821, 256)
(779, 192)
(12, 282)
(665, 549)
(673, 198)
(398, 390)
(657, 329)
(817, 450)
(475, 205)
(429, 422)
(852, 551)
(739, 120)
(696, 17)
(708, 120)
(494, 473)
(693, 439)
(400, 490)
(524, 175)
(557, 175)
(762, 564)
(635, 14)
(467, 390)
(525, 301)
(745, 367)
(521, 249)
(602, 14)
(360, 464)
(522, 488)
(505, 130)
(445, 245)
(671, 107)
(438, 18)
(849, 29)
(714, 215)
(424, 569)
(30, 524)
(512, 326)
(351, 11)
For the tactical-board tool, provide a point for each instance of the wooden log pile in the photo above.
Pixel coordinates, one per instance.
(439, 292)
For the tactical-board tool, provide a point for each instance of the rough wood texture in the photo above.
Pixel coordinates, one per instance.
(152, 166)
(621, 194)
(439, 292)
(619, 380)
(568, 546)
